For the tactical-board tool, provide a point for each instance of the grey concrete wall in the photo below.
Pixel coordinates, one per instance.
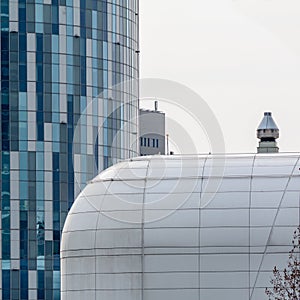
(152, 128)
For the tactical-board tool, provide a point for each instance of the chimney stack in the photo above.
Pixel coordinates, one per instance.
(268, 133)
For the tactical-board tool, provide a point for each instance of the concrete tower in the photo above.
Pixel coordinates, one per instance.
(268, 133)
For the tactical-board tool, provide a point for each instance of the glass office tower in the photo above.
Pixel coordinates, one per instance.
(57, 56)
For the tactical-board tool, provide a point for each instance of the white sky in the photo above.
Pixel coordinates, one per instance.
(241, 56)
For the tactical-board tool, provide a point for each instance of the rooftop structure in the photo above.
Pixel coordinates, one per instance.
(152, 131)
(268, 133)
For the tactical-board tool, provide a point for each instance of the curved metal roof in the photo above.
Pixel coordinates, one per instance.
(172, 227)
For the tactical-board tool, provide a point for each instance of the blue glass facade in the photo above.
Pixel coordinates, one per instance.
(57, 56)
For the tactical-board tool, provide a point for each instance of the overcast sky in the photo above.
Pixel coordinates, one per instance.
(241, 56)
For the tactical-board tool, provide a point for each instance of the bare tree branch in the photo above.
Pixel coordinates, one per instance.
(286, 285)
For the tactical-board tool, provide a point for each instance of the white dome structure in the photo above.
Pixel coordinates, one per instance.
(173, 228)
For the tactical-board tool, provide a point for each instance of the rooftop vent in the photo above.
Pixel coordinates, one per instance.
(268, 133)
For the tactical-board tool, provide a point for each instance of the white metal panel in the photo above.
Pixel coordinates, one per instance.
(222, 250)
